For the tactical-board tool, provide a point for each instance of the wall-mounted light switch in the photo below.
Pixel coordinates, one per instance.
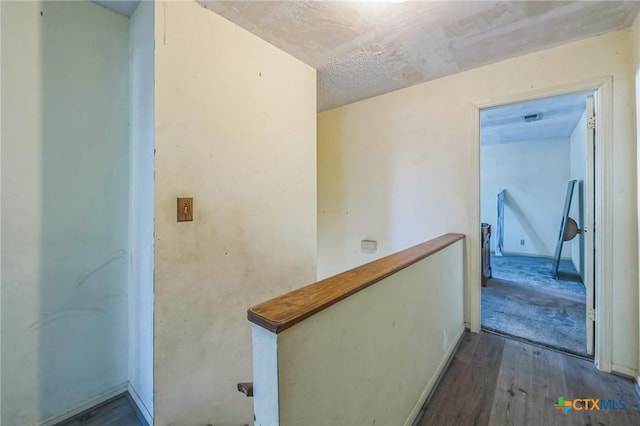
(185, 209)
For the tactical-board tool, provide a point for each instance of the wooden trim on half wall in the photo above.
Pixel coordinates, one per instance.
(281, 313)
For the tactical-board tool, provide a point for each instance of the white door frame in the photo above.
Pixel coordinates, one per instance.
(602, 87)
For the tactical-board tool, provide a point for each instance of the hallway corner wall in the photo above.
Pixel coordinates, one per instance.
(65, 167)
(141, 204)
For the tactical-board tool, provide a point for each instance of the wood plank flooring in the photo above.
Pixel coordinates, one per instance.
(492, 380)
(497, 381)
(118, 411)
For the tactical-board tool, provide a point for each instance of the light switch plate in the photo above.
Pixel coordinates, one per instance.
(185, 209)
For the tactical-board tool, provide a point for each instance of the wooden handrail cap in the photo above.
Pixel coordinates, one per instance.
(283, 312)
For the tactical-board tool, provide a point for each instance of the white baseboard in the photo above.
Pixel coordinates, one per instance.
(433, 381)
(85, 405)
(625, 371)
(141, 406)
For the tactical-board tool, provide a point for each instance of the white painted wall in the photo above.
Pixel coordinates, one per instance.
(402, 167)
(1, 137)
(64, 240)
(635, 47)
(578, 164)
(372, 358)
(534, 175)
(235, 129)
(141, 146)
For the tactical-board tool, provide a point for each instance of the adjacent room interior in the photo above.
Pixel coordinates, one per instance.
(530, 151)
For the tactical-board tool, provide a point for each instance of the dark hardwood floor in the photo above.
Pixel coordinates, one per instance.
(118, 411)
(493, 380)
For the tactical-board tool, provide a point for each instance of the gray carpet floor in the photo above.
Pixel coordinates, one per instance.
(523, 300)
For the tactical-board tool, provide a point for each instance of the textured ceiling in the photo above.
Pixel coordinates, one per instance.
(366, 48)
(558, 118)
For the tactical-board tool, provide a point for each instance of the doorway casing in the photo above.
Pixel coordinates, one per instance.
(602, 88)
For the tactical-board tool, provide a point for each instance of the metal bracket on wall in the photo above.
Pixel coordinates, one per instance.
(563, 225)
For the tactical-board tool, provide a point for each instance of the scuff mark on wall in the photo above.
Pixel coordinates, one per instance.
(89, 272)
(46, 319)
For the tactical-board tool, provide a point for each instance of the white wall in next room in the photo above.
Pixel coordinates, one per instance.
(534, 175)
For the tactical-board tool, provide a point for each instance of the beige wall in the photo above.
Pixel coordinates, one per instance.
(371, 358)
(235, 129)
(402, 168)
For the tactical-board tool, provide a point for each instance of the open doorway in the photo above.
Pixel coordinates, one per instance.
(529, 153)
